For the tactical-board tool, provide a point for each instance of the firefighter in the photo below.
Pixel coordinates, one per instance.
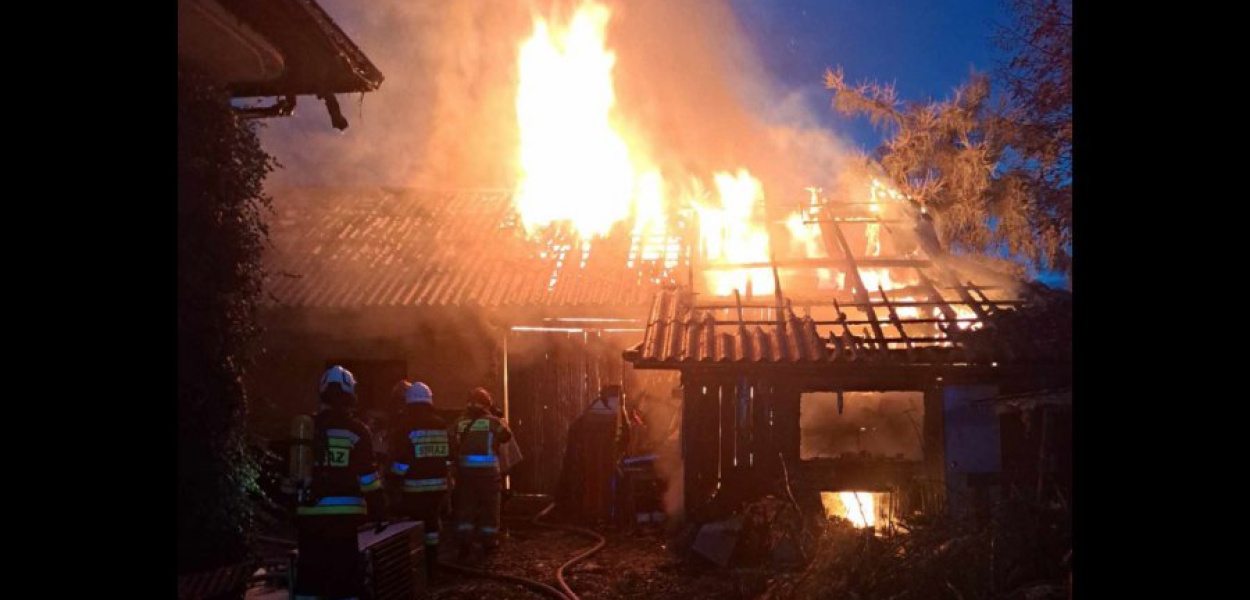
(597, 441)
(345, 488)
(394, 482)
(478, 436)
(422, 451)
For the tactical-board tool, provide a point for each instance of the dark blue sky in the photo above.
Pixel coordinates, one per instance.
(926, 47)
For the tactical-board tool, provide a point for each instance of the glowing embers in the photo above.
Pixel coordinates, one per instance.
(862, 509)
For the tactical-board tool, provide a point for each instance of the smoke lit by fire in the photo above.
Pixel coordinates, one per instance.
(579, 166)
(575, 165)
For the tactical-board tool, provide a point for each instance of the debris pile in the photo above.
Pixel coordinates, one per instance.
(1022, 552)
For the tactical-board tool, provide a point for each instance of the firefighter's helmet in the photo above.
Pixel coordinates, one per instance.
(340, 376)
(400, 390)
(419, 393)
(480, 397)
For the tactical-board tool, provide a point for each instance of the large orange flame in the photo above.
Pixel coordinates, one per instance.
(575, 165)
(734, 233)
(581, 169)
(857, 507)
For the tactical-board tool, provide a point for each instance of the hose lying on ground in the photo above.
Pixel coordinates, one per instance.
(568, 593)
(600, 542)
(537, 586)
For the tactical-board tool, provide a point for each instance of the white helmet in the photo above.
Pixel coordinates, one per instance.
(419, 393)
(339, 375)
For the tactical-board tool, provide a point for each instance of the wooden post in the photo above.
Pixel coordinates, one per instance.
(861, 294)
(934, 447)
(727, 400)
(699, 441)
(507, 480)
(762, 449)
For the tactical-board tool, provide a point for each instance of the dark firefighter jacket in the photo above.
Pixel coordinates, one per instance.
(478, 437)
(344, 471)
(421, 449)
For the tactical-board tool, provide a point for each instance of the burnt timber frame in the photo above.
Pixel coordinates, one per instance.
(742, 384)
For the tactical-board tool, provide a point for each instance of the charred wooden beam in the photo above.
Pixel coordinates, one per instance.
(714, 303)
(936, 297)
(909, 321)
(772, 260)
(897, 323)
(897, 303)
(872, 262)
(855, 220)
(861, 294)
(913, 339)
(738, 301)
(976, 290)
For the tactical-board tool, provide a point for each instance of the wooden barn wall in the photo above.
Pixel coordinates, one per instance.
(552, 377)
(734, 433)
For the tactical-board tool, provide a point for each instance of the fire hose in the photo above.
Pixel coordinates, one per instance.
(567, 593)
(600, 542)
(537, 586)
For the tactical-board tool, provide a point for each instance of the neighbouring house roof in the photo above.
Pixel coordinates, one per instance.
(273, 48)
(376, 247)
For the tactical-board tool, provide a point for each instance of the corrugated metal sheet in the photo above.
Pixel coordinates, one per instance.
(351, 248)
(679, 333)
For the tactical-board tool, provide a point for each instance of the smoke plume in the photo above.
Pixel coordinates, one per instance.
(690, 92)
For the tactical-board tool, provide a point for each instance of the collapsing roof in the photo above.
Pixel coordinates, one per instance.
(924, 322)
(682, 333)
(360, 248)
(353, 248)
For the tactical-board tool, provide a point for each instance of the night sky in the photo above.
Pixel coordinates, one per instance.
(925, 47)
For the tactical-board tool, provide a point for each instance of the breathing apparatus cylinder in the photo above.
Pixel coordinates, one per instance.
(301, 463)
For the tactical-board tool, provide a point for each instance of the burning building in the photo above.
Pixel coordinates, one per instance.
(683, 248)
(905, 321)
(448, 288)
